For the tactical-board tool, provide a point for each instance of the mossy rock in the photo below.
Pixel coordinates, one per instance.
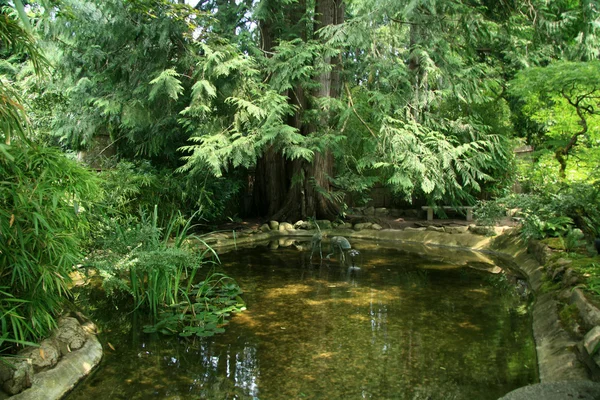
(554, 243)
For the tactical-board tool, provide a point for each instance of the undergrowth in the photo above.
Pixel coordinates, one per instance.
(161, 272)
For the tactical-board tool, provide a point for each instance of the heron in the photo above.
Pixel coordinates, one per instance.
(339, 243)
(315, 241)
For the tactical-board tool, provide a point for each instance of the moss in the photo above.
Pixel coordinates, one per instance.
(570, 318)
(554, 243)
(585, 264)
(549, 286)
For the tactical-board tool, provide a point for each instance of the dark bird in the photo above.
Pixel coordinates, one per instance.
(341, 244)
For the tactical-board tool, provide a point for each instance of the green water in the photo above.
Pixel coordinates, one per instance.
(402, 327)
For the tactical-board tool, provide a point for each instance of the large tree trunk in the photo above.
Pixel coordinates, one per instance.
(292, 190)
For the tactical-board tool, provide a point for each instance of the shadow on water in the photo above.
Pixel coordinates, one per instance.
(390, 325)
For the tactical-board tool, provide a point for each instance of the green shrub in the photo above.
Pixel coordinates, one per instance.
(45, 201)
(156, 268)
(134, 187)
(554, 213)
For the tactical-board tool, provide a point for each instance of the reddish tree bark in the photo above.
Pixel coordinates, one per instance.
(292, 190)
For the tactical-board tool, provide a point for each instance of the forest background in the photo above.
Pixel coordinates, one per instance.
(281, 109)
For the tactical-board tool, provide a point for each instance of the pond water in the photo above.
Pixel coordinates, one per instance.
(404, 326)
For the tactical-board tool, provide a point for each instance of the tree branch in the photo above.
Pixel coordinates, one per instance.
(356, 112)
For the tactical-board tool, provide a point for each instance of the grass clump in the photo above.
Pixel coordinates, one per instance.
(160, 272)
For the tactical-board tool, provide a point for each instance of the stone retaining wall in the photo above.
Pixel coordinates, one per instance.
(51, 370)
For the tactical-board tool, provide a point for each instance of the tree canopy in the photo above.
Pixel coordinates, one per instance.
(304, 101)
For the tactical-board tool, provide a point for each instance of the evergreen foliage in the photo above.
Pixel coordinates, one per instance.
(125, 67)
(233, 115)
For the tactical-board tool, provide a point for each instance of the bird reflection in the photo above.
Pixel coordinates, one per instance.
(353, 269)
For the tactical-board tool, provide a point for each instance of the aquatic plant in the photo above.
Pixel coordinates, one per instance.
(205, 311)
(158, 269)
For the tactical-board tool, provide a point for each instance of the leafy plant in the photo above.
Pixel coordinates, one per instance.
(45, 202)
(207, 309)
(159, 271)
(488, 213)
(551, 213)
(573, 239)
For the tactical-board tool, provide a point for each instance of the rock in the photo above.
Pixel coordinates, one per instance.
(264, 228)
(540, 251)
(382, 212)
(274, 225)
(589, 313)
(570, 278)
(591, 341)
(481, 230)
(415, 229)
(303, 225)
(273, 245)
(17, 376)
(376, 227)
(562, 262)
(369, 211)
(43, 357)
(558, 273)
(482, 266)
(363, 225)
(582, 390)
(456, 229)
(55, 383)
(435, 228)
(346, 225)
(285, 226)
(69, 335)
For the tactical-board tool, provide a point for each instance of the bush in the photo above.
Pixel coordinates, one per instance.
(158, 271)
(552, 213)
(132, 188)
(45, 202)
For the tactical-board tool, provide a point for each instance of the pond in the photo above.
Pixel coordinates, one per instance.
(403, 326)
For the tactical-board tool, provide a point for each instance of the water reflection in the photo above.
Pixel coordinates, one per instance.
(400, 327)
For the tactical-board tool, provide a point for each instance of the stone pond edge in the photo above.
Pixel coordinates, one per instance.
(73, 367)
